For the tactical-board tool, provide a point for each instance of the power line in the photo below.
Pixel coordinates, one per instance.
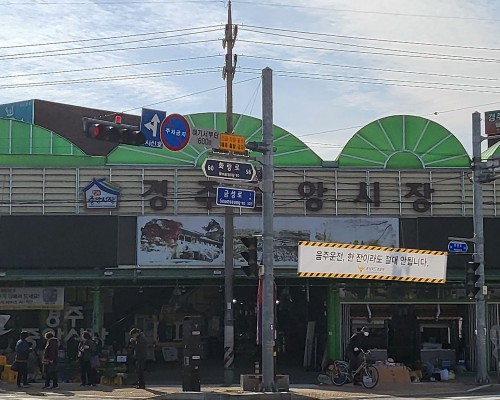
(108, 67)
(395, 53)
(322, 64)
(405, 42)
(39, 44)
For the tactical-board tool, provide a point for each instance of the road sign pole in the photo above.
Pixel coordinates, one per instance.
(268, 326)
(481, 348)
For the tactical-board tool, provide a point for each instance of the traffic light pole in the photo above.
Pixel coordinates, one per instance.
(267, 187)
(480, 329)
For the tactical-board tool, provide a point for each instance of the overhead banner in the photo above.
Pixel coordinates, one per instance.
(347, 261)
(37, 298)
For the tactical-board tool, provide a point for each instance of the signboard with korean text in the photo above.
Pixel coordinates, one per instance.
(235, 197)
(204, 137)
(100, 194)
(150, 126)
(336, 260)
(35, 298)
(175, 132)
(229, 169)
(492, 122)
(232, 142)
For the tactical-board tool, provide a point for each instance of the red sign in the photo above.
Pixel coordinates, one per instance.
(492, 122)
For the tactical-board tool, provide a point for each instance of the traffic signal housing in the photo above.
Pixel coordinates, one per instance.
(471, 277)
(250, 256)
(113, 132)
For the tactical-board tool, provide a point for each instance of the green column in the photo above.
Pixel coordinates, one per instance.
(96, 307)
(333, 318)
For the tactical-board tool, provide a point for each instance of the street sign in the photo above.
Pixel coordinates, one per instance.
(457, 247)
(232, 142)
(235, 197)
(175, 132)
(204, 137)
(229, 169)
(150, 126)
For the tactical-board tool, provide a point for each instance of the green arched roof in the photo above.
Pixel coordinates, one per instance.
(25, 144)
(491, 152)
(403, 142)
(289, 150)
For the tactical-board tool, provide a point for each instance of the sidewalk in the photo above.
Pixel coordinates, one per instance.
(297, 392)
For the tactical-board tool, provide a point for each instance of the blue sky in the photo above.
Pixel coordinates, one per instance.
(337, 65)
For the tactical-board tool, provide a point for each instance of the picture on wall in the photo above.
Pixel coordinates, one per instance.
(289, 231)
(186, 240)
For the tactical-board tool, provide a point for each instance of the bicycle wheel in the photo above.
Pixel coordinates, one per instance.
(339, 374)
(370, 377)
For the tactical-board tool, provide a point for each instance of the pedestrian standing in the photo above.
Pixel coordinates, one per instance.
(139, 349)
(86, 349)
(23, 349)
(50, 356)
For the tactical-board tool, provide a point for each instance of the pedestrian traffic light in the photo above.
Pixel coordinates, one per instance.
(115, 132)
(471, 277)
(250, 255)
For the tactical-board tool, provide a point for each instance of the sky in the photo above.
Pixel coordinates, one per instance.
(337, 65)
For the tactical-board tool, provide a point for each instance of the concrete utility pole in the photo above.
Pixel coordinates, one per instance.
(268, 326)
(228, 75)
(481, 348)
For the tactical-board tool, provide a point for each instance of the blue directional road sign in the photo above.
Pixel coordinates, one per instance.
(150, 126)
(457, 247)
(235, 197)
(229, 169)
(175, 132)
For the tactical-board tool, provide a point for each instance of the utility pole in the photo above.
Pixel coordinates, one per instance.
(228, 75)
(480, 329)
(267, 187)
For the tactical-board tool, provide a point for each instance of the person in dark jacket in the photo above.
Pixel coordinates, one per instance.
(357, 343)
(139, 349)
(23, 349)
(50, 356)
(87, 349)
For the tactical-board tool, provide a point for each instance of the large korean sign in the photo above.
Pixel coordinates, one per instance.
(335, 260)
(492, 122)
(35, 298)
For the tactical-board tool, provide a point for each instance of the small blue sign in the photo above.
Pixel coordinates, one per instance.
(229, 169)
(235, 197)
(457, 247)
(175, 132)
(150, 126)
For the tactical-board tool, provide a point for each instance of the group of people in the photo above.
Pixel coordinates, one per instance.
(89, 348)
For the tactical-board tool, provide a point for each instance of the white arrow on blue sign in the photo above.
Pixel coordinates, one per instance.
(457, 247)
(235, 197)
(150, 126)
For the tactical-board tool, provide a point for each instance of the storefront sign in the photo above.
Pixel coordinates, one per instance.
(37, 298)
(101, 195)
(334, 260)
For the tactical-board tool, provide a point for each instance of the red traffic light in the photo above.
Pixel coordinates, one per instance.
(113, 132)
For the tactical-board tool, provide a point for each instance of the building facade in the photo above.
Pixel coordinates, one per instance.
(101, 235)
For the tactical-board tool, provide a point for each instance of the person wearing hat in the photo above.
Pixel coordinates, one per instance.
(357, 343)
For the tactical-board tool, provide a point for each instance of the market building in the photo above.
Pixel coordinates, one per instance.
(96, 234)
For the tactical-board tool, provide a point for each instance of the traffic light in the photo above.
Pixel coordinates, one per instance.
(471, 277)
(252, 269)
(115, 132)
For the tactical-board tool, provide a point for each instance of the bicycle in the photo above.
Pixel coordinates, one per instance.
(338, 373)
